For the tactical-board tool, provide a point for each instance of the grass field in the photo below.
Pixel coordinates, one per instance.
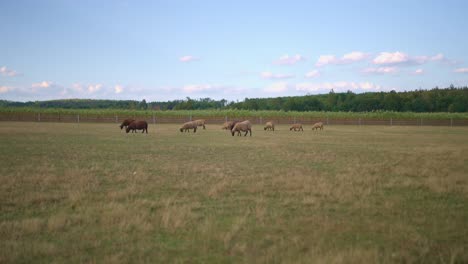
(347, 194)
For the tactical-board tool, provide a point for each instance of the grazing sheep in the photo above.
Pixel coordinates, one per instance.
(269, 126)
(200, 122)
(229, 125)
(296, 127)
(317, 126)
(242, 126)
(226, 125)
(125, 123)
(189, 125)
(137, 125)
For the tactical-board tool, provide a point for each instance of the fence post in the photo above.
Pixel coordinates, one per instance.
(225, 118)
(190, 118)
(154, 119)
(391, 121)
(294, 119)
(261, 120)
(59, 117)
(38, 117)
(420, 124)
(78, 118)
(327, 121)
(359, 121)
(451, 122)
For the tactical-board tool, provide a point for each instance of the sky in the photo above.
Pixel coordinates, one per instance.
(166, 50)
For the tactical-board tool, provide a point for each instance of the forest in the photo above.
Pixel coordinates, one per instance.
(451, 99)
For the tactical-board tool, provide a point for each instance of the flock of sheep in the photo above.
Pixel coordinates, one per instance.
(233, 126)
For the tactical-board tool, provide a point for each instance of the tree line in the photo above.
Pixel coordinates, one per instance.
(451, 99)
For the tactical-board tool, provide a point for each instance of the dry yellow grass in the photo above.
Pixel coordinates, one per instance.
(91, 193)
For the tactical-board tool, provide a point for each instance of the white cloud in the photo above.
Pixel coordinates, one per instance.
(342, 86)
(326, 59)
(381, 70)
(43, 84)
(94, 88)
(354, 57)
(4, 71)
(278, 87)
(289, 60)
(312, 74)
(391, 58)
(401, 58)
(77, 87)
(351, 57)
(418, 71)
(461, 70)
(188, 58)
(196, 88)
(438, 57)
(269, 75)
(118, 89)
(5, 89)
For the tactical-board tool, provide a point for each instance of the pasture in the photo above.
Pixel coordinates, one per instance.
(77, 192)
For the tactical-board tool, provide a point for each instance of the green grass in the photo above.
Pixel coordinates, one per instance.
(347, 194)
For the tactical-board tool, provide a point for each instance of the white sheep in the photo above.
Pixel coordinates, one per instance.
(296, 127)
(189, 125)
(269, 126)
(242, 126)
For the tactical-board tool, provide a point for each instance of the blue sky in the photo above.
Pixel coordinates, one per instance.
(164, 50)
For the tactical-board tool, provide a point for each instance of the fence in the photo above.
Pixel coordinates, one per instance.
(93, 118)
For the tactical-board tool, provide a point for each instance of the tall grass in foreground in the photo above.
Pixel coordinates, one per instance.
(91, 193)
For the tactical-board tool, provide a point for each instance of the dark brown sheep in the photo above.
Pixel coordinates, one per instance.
(296, 127)
(137, 125)
(242, 126)
(126, 122)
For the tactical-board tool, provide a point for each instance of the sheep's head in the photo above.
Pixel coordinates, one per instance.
(121, 126)
(181, 129)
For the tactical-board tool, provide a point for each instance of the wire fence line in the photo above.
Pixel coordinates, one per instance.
(93, 118)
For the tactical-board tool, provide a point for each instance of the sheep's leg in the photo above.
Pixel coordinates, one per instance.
(246, 133)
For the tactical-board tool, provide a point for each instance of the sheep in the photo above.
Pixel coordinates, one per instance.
(226, 125)
(125, 123)
(189, 125)
(200, 122)
(137, 125)
(229, 125)
(269, 126)
(317, 126)
(296, 127)
(242, 126)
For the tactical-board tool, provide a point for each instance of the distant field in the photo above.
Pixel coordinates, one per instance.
(74, 192)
